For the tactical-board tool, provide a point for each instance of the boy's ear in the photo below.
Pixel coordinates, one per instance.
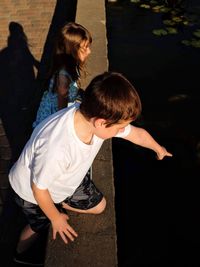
(99, 123)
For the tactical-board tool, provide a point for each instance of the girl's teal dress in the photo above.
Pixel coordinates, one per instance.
(49, 102)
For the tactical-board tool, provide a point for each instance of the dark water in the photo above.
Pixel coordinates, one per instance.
(157, 202)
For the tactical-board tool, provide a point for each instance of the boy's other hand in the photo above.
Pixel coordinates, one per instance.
(163, 153)
(61, 226)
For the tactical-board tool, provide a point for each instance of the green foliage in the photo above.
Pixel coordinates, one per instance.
(166, 31)
(174, 18)
(172, 30)
(135, 1)
(169, 22)
(197, 33)
(193, 42)
(145, 6)
(160, 32)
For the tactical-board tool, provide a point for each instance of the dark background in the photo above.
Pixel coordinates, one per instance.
(157, 202)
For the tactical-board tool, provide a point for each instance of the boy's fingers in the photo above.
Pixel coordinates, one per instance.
(169, 154)
(54, 235)
(63, 237)
(71, 230)
(69, 235)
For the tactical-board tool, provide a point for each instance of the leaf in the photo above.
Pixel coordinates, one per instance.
(145, 6)
(197, 33)
(186, 22)
(157, 8)
(169, 22)
(160, 32)
(165, 9)
(194, 42)
(177, 19)
(186, 42)
(172, 30)
(153, 2)
(135, 1)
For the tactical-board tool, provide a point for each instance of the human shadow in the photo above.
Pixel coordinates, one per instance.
(17, 88)
(20, 88)
(65, 11)
(20, 94)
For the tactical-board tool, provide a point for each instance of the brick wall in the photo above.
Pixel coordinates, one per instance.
(34, 18)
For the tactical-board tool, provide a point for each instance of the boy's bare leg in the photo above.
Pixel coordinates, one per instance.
(27, 237)
(95, 210)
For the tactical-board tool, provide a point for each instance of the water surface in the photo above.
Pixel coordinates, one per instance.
(157, 202)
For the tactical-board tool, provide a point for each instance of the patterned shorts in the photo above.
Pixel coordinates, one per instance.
(85, 197)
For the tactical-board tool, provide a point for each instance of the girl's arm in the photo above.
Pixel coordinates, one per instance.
(58, 220)
(62, 91)
(141, 137)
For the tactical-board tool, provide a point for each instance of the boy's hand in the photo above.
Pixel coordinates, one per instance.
(163, 153)
(61, 226)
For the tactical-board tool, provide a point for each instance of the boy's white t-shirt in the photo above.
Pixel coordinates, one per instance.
(54, 158)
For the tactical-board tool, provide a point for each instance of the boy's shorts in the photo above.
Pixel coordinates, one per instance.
(86, 196)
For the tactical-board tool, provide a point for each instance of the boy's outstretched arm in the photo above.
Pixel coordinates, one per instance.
(141, 137)
(58, 220)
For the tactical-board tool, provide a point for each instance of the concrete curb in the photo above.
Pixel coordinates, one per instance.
(96, 244)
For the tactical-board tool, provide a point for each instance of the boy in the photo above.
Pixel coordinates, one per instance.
(52, 169)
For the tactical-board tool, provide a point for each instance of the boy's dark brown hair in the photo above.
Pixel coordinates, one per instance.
(112, 97)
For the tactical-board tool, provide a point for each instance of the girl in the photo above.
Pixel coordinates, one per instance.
(72, 47)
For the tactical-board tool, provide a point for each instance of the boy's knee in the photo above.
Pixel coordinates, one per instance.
(100, 207)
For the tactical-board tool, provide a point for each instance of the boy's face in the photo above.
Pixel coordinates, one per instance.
(108, 132)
